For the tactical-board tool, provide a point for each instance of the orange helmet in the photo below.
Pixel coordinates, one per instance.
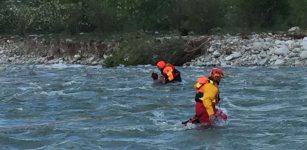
(216, 73)
(161, 64)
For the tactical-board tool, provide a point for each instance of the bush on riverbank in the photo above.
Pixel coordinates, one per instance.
(136, 48)
(140, 48)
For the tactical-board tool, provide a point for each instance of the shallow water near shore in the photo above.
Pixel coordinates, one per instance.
(85, 107)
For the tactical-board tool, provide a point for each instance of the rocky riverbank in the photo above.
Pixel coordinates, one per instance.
(216, 50)
(38, 49)
(254, 50)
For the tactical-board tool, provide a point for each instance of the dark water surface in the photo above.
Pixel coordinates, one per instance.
(82, 107)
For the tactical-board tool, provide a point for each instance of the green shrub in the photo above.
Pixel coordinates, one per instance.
(139, 48)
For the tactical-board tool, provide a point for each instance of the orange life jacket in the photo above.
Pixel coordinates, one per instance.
(168, 71)
(201, 81)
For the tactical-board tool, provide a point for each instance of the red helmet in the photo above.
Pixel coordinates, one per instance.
(161, 64)
(216, 74)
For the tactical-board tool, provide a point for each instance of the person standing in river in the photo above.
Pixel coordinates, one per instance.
(207, 98)
(169, 73)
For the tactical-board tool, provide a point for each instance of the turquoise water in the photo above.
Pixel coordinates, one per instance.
(83, 107)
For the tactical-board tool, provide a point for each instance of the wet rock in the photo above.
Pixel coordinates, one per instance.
(282, 50)
(294, 29)
(77, 57)
(292, 55)
(216, 54)
(298, 63)
(233, 56)
(304, 43)
(263, 54)
(263, 62)
(303, 55)
(279, 62)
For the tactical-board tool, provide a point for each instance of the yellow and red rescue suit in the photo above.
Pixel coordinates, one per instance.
(207, 96)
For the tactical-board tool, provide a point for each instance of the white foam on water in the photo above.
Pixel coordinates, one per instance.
(119, 89)
(142, 66)
(19, 109)
(32, 86)
(220, 122)
(164, 124)
(60, 66)
(190, 126)
(180, 127)
(122, 105)
(70, 83)
(159, 118)
(122, 128)
(24, 88)
(53, 93)
(142, 88)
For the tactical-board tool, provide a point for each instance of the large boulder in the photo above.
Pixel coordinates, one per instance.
(303, 55)
(279, 62)
(233, 56)
(282, 50)
(294, 29)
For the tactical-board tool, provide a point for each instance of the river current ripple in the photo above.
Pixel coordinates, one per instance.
(83, 107)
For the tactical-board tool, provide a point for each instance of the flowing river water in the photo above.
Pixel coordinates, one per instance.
(83, 107)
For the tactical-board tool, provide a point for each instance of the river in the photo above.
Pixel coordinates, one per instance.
(85, 107)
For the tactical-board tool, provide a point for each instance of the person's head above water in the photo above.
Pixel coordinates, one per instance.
(216, 74)
(154, 76)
